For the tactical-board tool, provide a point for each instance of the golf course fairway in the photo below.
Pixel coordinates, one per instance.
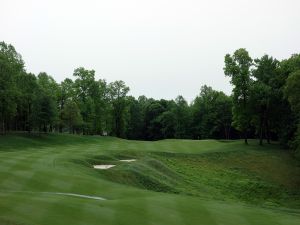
(51, 180)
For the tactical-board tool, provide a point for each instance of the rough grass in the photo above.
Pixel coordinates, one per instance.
(269, 177)
(172, 182)
(252, 176)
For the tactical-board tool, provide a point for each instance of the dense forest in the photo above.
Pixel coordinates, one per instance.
(265, 103)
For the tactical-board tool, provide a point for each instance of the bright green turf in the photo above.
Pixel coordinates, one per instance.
(172, 182)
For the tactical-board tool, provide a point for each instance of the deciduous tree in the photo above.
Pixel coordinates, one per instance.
(237, 67)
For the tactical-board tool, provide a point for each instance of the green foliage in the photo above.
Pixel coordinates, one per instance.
(134, 126)
(28, 87)
(260, 106)
(263, 97)
(38, 103)
(117, 92)
(167, 119)
(237, 67)
(44, 112)
(286, 119)
(183, 118)
(65, 92)
(288, 66)
(48, 85)
(292, 92)
(71, 116)
(84, 89)
(266, 70)
(152, 120)
(11, 65)
(212, 114)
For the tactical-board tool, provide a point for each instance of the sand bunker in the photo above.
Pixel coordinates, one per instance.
(127, 160)
(103, 167)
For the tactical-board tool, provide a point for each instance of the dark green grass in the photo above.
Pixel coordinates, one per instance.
(260, 177)
(268, 177)
(172, 182)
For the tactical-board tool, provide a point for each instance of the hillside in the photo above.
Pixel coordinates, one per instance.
(51, 180)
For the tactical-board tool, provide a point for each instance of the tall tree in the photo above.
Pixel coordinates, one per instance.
(71, 115)
(264, 96)
(237, 67)
(49, 92)
(66, 92)
(223, 120)
(259, 103)
(182, 118)
(11, 65)
(27, 86)
(118, 91)
(292, 92)
(168, 124)
(286, 126)
(44, 112)
(212, 116)
(134, 126)
(85, 85)
(102, 107)
(152, 120)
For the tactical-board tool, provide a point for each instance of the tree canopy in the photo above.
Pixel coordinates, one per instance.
(264, 103)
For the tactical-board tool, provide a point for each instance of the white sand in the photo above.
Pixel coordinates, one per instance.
(103, 167)
(127, 160)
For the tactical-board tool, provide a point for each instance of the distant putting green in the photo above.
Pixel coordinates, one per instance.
(50, 180)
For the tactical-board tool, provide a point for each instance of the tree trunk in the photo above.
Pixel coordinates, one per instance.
(247, 125)
(227, 132)
(246, 137)
(261, 124)
(28, 118)
(70, 128)
(261, 136)
(268, 132)
(3, 126)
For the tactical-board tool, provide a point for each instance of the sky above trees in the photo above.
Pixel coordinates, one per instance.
(159, 48)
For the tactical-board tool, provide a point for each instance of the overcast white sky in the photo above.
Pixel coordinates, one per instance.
(159, 48)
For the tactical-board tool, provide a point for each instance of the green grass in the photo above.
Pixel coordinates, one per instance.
(172, 182)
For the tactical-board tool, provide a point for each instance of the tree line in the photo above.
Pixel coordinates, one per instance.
(264, 103)
(266, 96)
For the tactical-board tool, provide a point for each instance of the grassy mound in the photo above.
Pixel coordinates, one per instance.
(268, 177)
(150, 174)
(260, 177)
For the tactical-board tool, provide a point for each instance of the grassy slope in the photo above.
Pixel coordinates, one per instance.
(216, 182)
